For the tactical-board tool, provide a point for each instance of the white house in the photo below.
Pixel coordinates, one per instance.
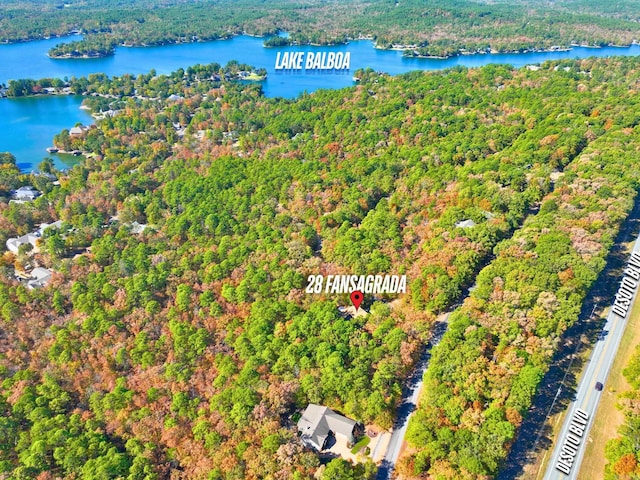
(46, 226)
(78, 131)
(13, 244)
(26, 193)
(138, 227)
(318, 423)
(39, 278)
(466, 224)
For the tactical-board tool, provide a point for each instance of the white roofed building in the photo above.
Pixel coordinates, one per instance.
(39, 278)
(466, 224)
(78, 131)
(26, 193)
(319, 423)
(13, 244)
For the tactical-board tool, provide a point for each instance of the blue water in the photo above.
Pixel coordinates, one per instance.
(29, 60)
(29, 124)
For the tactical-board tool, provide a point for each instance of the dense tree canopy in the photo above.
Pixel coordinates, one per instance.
(428, 27)
(186, 346)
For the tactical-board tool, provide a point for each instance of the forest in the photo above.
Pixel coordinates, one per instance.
(500, 342)
(428, 27)
(184, 350)
(94, 46)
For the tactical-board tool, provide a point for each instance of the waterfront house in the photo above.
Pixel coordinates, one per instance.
(78, 130)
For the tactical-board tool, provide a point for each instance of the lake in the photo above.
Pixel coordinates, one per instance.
(31, 123)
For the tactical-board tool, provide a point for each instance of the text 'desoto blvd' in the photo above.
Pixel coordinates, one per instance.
(628, 286)
(572, 441)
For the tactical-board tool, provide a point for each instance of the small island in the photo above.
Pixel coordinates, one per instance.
(314, 39)
(97, 46)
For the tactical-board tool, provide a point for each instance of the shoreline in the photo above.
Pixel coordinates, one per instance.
(240, 76)
(75, 153)
(492, 52)
(396, 47)
(72, 33)
(84, 56)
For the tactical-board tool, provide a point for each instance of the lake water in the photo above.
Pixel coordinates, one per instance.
(31, 123)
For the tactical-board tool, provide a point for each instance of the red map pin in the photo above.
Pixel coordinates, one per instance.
(356, 298)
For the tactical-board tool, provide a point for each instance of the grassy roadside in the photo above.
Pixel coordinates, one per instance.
(608, 418)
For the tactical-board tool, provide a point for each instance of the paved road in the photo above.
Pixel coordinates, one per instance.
(410, 397)
(587, 397)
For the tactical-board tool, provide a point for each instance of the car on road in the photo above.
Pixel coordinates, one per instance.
(599, 386)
